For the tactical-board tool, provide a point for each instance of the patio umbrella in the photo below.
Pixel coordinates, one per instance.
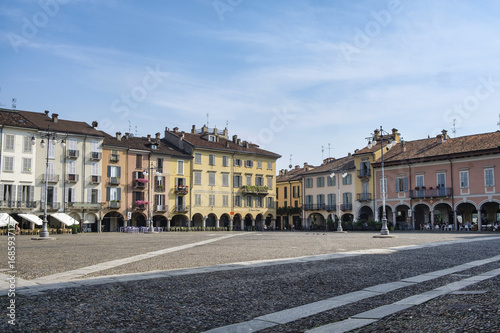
(6, 219)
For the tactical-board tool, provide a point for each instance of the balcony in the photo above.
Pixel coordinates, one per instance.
(320, 206)
(114, 158)
(364, 173)
(181, 189)
(364, 197)
(346, 207)
(331, 208)
(424, 193)
(72, 178)
(258, 190)
(140, 205)
(140, 183)
(50, 178)
(72, 153)
(114, 180)
(9, 204)
(52, 206)
(95, 156)
(82, 205)
(95, 180)
(160, 188)
(160, 208)
(181, 209)
(114, 204)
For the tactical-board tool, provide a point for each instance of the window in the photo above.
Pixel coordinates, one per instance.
(211, 178)
(347, 180)
(383, 186)
(309, 200)
(52, 150)
(211, 138)
(138, 161)
(94, 196)
(248, 201)
(26, 165)
(464, 179)
(225, 161)
(211, 200)
(309, 182)
(197, 199)
(180, 167)
(248, 179)
(331, 199)
(419, 181)
(197, 177)
(237, 201)
(236, 181)
(320, 198)
(72, 168)
(401, 184)
(296, 191)
(270, 202)
(270, 183)
(94, 169)
(9, 142)
(211, 159)
(114, 171)
(259, 165)
(114, 157)
(8, 164)
(237, 162)
(259, 202)
(248, 163)
(159, 165)
(225, 200)
(259, 180)
(489, 179)
(269, 165)
(347, 198)
(320, 182)
(285, 193)
(27, 146)
(225, 179)
(112, 194)
(197, 158)
(330, 180)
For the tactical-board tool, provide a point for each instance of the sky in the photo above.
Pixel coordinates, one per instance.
(307, 79)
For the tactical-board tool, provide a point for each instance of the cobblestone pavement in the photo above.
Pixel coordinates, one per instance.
(196, 301)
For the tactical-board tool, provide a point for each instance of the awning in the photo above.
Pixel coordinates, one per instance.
(6, 219)
(32, 218)
(64, 218)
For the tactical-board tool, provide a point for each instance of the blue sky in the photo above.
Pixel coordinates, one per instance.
(292, 76)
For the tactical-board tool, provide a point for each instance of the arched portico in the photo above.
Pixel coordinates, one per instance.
(388, 214)
(365, 213)
(224, 221)
(179, 221)
(316, 221)
(237, 222)
(112, 221)
(467, 214)
(249, 222)
(442, 215)
(160, 221)
(198, 220)
(403, 220)
(421, 216)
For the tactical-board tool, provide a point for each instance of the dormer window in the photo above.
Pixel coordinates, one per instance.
(211, 138)
(154, 146)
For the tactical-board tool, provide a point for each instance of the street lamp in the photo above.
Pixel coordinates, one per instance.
(147, 173)
(344, 174)
(391, 141)
(50, 136)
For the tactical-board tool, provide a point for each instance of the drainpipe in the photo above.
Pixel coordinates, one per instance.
(1, 146)
(411, 199)
(453, 196)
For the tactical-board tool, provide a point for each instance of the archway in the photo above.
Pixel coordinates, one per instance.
(403, 220)
(422, 219)
(249, 222)
(490, 213)
(316, 221)
(388, 215)
(467, 214)
(90, 222)
(138, 219)
(347, 217)
(197, 220)
(224, 221)
(259, 222)
(160, 221)
(179, 221)
(110, 222)
(443, 215)
(365, 214)
(211, 220)
(269, 222)
(237, 222)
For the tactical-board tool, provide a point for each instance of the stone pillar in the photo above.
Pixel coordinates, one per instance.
(394, 219)
(432, 219)
(230, 224)
(204, 223)
(217, 223)
(99, 225)
(479, 221)
(273, 224)
(242, 224)
(253, 224)
(168, 225)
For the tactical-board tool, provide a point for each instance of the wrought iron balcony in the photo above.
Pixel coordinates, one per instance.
(424, 193)
(114, 204)
(72, 153)
(9, 204)
(364, 173)
(95, 156)
(82, 205)
(160, 208)
(95, 179)
(114, 180)
(140, 183)
(181, 189)
(250, 189)
(180, 209)
(52, 205)
(331, 208)
(51, 178)
(114, 158)
(364, 196)
(346, 207)
(320, 206)
(72, 178)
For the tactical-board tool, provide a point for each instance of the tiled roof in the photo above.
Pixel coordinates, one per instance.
(43, 121)
(143, 143)
(344, 163)
(197, 141)
(432, 149)
(13, 118)
(292, 175)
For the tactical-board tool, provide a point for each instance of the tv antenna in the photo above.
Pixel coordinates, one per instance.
(14, 103)
(290, 166)
(322, 151)
(498, 123)
(329, 153)
(207, 119)
(454, 130)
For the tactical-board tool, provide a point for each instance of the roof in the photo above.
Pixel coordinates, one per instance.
(42, 121)
(15, 119)
(345, 163)
(144, 143)
(292, 175)
(197, 141)
(432, 148)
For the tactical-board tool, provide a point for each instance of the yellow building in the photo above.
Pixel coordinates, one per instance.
(232, 182)
(364, 184)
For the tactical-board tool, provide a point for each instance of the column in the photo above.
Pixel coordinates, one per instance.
(432, 219)
(479, 220)
(273, 224)
(394, 219)
(242, 224)
(168, 225)
(253, 224)
(99, 225)
(204, 223)
(217, 223)
(230, 224)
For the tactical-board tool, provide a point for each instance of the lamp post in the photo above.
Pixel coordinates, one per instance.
(51, 139)
(147, 173)
(344, 174)
(390, 142)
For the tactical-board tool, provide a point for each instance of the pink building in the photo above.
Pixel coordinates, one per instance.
(441, 182)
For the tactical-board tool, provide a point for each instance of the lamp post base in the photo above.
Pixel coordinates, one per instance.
(42, 238)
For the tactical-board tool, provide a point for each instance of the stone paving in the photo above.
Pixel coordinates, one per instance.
(240, 276)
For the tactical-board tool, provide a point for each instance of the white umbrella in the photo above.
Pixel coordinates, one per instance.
(6, 219)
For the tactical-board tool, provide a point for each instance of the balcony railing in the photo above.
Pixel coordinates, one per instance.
(72, 153)
(180, 209)
(430, 193)
(139, 183)
(331, 208)
(114, 180)
(345, 207)
(320, 206)
(114, 158)
(364, 196)
(250, 189)
(51, 178)
(160, 188)
(95, 179)
(82, 205)
(17, 204)
(72, 178)
(95, 156)
(51, 205)
(364, 173)
(114, 204)
(160, 208)
(181, 189)
(135, 205)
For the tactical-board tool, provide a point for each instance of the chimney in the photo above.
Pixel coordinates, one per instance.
(439, 139)
(403, 147)
(246, 144)
(445, 135)
(204, 129)
(193, 129)
(235, 138)
(216, 131)
(376, 134)
(55, 118)
(396, 135)
(149, 137)
(176, 129)
(157, 136)
(181, 141)
(47, 112)
(118, 136)
(94, 124)
(297, 167)
(238, 142)
(328, 160)
(127, 135)
(226, 133)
